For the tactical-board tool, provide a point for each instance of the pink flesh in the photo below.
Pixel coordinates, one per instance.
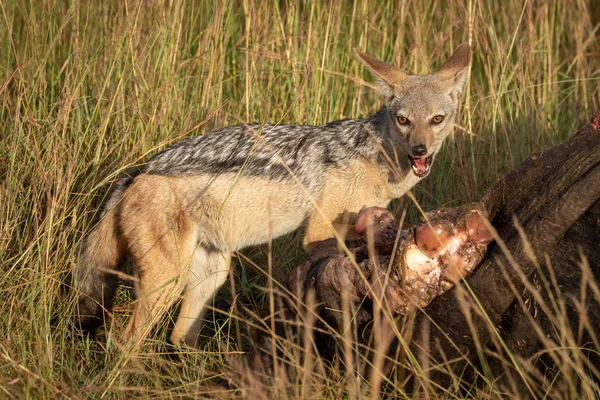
(434, 256)
(477, 228)
(456, 267)
(420, 165)
(371, 217)
(419, 262)
(431, 240)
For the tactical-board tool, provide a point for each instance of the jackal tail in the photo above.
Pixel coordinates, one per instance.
(102, 251)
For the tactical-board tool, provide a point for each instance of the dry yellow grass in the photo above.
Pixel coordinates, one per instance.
(88, 88)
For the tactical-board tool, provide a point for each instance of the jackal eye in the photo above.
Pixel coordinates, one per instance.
(403, 121)
(437, 119)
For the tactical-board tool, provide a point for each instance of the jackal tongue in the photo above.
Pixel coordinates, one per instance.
(420, 165)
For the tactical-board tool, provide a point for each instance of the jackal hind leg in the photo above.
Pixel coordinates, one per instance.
(208, 272)
(163, 259)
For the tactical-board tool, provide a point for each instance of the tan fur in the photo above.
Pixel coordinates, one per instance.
(173, 226)
(163, 219)
(346, 191)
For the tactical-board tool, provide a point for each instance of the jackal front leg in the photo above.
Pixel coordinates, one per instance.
(336, 219)
(321, 227)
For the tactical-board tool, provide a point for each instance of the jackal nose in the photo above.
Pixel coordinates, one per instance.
(419, 150)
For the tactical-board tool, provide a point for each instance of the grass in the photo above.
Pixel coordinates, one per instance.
(89, 88)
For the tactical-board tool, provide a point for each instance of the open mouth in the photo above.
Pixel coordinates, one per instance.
(421, 165)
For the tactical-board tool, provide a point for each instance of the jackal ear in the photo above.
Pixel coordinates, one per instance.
(455, 68)
(385, 75)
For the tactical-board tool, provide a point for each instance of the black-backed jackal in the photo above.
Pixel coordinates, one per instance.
(184, 213)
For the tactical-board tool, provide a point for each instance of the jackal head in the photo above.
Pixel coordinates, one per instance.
(421, 110)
